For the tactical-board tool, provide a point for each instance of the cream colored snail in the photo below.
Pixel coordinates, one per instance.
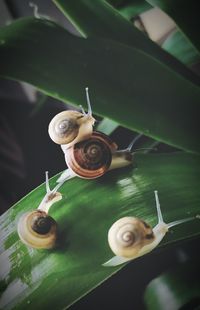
(70, 127)
(37, 229)
(131, 237)
(93, 157)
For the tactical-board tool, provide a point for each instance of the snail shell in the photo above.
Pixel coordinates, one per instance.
(128, 235)
(69, 127)
(38, 230)
(90, 158)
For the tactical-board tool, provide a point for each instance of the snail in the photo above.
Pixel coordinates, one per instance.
(93, 157)
(90, 158)
(131, 237)
(36, 228)
(70, 127)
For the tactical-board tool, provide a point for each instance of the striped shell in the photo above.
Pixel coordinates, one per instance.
(37, 230)
(91, 158)
(70, 127)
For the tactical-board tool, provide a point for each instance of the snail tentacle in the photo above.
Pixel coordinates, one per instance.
(35, 9)
(88, 102)
(132, 143)
(51, 196)
(47, 181)
(159, 213)
(82, 110)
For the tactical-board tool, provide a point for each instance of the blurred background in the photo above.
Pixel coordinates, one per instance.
(26, 152)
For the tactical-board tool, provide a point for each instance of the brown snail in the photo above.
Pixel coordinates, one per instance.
(90, 158)
(93, 157)
(131, 237)
(70, 127)
(36, 228)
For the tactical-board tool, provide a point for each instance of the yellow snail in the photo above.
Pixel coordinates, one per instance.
(70, 127)
(93, 157)
(36, 228)
(131, 237)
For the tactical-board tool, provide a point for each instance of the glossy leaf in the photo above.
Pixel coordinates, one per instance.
(107, 126)
(126, 85)
(176, 289)
(185, 14)
(99, 19)
(177, 45)
(130, 9)
(84, 215)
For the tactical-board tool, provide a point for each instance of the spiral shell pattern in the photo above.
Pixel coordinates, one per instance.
(38, 230)
(64, 127)
(128, 235)
(90, 158)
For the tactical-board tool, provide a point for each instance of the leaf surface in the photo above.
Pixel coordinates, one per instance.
(185, 14)
(99, 19)
(181, 48)
(39, 278)
(179, 288)
(126, 85)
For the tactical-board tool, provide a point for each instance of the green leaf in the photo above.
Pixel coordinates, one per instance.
(58, 277)
(185, 14)
(177, 45)
(107, 126)
(126, 85)
(130, 9)
(178, 288)
(99, 19)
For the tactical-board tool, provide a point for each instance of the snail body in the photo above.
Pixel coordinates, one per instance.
(121, 158)
(36, 228)
(130, 237)
(71, 127)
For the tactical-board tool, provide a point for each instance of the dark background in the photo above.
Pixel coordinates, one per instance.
(26, 152)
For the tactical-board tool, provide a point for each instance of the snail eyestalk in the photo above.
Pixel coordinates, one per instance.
(35, 9)
(51, 196)
(144, 149)
(82, 110)
(174, 223)
(159, 213)
(130, 146)
(88, 102)
(47, 181)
